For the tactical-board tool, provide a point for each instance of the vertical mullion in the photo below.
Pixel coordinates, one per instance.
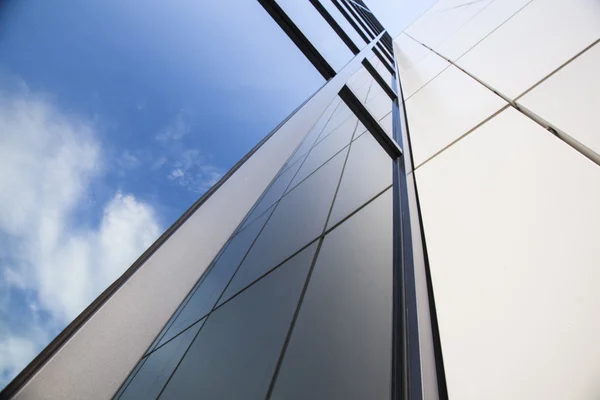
(335, 26)
(345, 14)
(357, 18)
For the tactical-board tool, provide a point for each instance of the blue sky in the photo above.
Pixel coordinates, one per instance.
(115, 116)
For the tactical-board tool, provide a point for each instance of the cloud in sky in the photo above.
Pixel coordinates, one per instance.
(176, 130)
(188, 166)
(193, 171)
(51, 264)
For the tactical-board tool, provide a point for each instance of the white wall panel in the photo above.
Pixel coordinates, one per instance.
(482, 24)
(417, 64)
(511, 221)
(444, 19)
(445, 109)
(570, 99)
(533, 43)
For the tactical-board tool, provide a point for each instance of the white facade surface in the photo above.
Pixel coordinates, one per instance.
(510, 211)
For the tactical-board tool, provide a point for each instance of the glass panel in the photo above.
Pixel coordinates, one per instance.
(326, 149)
(360, 83)
(368, 32)
(338, 118)
(298, 219)
(382, 70)
(208, 292)
(168, 324)
(378, 103)
(342, 340)
(387, 125)
(368, 171)
(274, 193)
(314, 132)
(234, 356)
(158, 367)
(360, 130)
(343, 22)
(318, 32)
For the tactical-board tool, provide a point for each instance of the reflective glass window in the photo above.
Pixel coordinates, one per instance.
(344, 24)
(326, 149)
(273, 193)
(318, 32)
(209, 290)
(156, 369)
(298, 219)
(381, 69)
(315, 131)
(360, 24)
(339, 117)
(368, 171)
(235, 354)
(341, 344)
(360, 83)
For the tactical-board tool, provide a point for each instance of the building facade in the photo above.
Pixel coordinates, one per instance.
(423, 227)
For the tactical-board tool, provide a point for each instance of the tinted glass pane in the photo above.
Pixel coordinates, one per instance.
(318, 32)
(360, 130)
(341, 344)
(368, 171)
(315, 131)
(274, 193)
(360, 83)
(209, 290)
(387, 125)
(343, 22)
(378, 103)
(326, 149)
(168, 324)
(367, 32)
(298, 219)
(341, 115)
(235, 354)
(382, 70)
(159, 366)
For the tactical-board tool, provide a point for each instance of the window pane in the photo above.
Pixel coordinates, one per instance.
(368, 171)
(235, 354)
(381, 69)
(158, 367)
(368, 32)
(360, 83)
(343, 22)
(326, 149)
(209, 290)
(318, 32)
(315, 131)
(342, 340)
(387, 125)
(339, 117)
(298, 219)
(273, 193)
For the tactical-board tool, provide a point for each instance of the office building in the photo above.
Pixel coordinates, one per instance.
(425, 226)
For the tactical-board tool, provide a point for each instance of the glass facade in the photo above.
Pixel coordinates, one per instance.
(299, 303)
(313, 260)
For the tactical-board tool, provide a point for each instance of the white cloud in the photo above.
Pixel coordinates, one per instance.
(51, 264)
(177, 129)
(193, 171)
